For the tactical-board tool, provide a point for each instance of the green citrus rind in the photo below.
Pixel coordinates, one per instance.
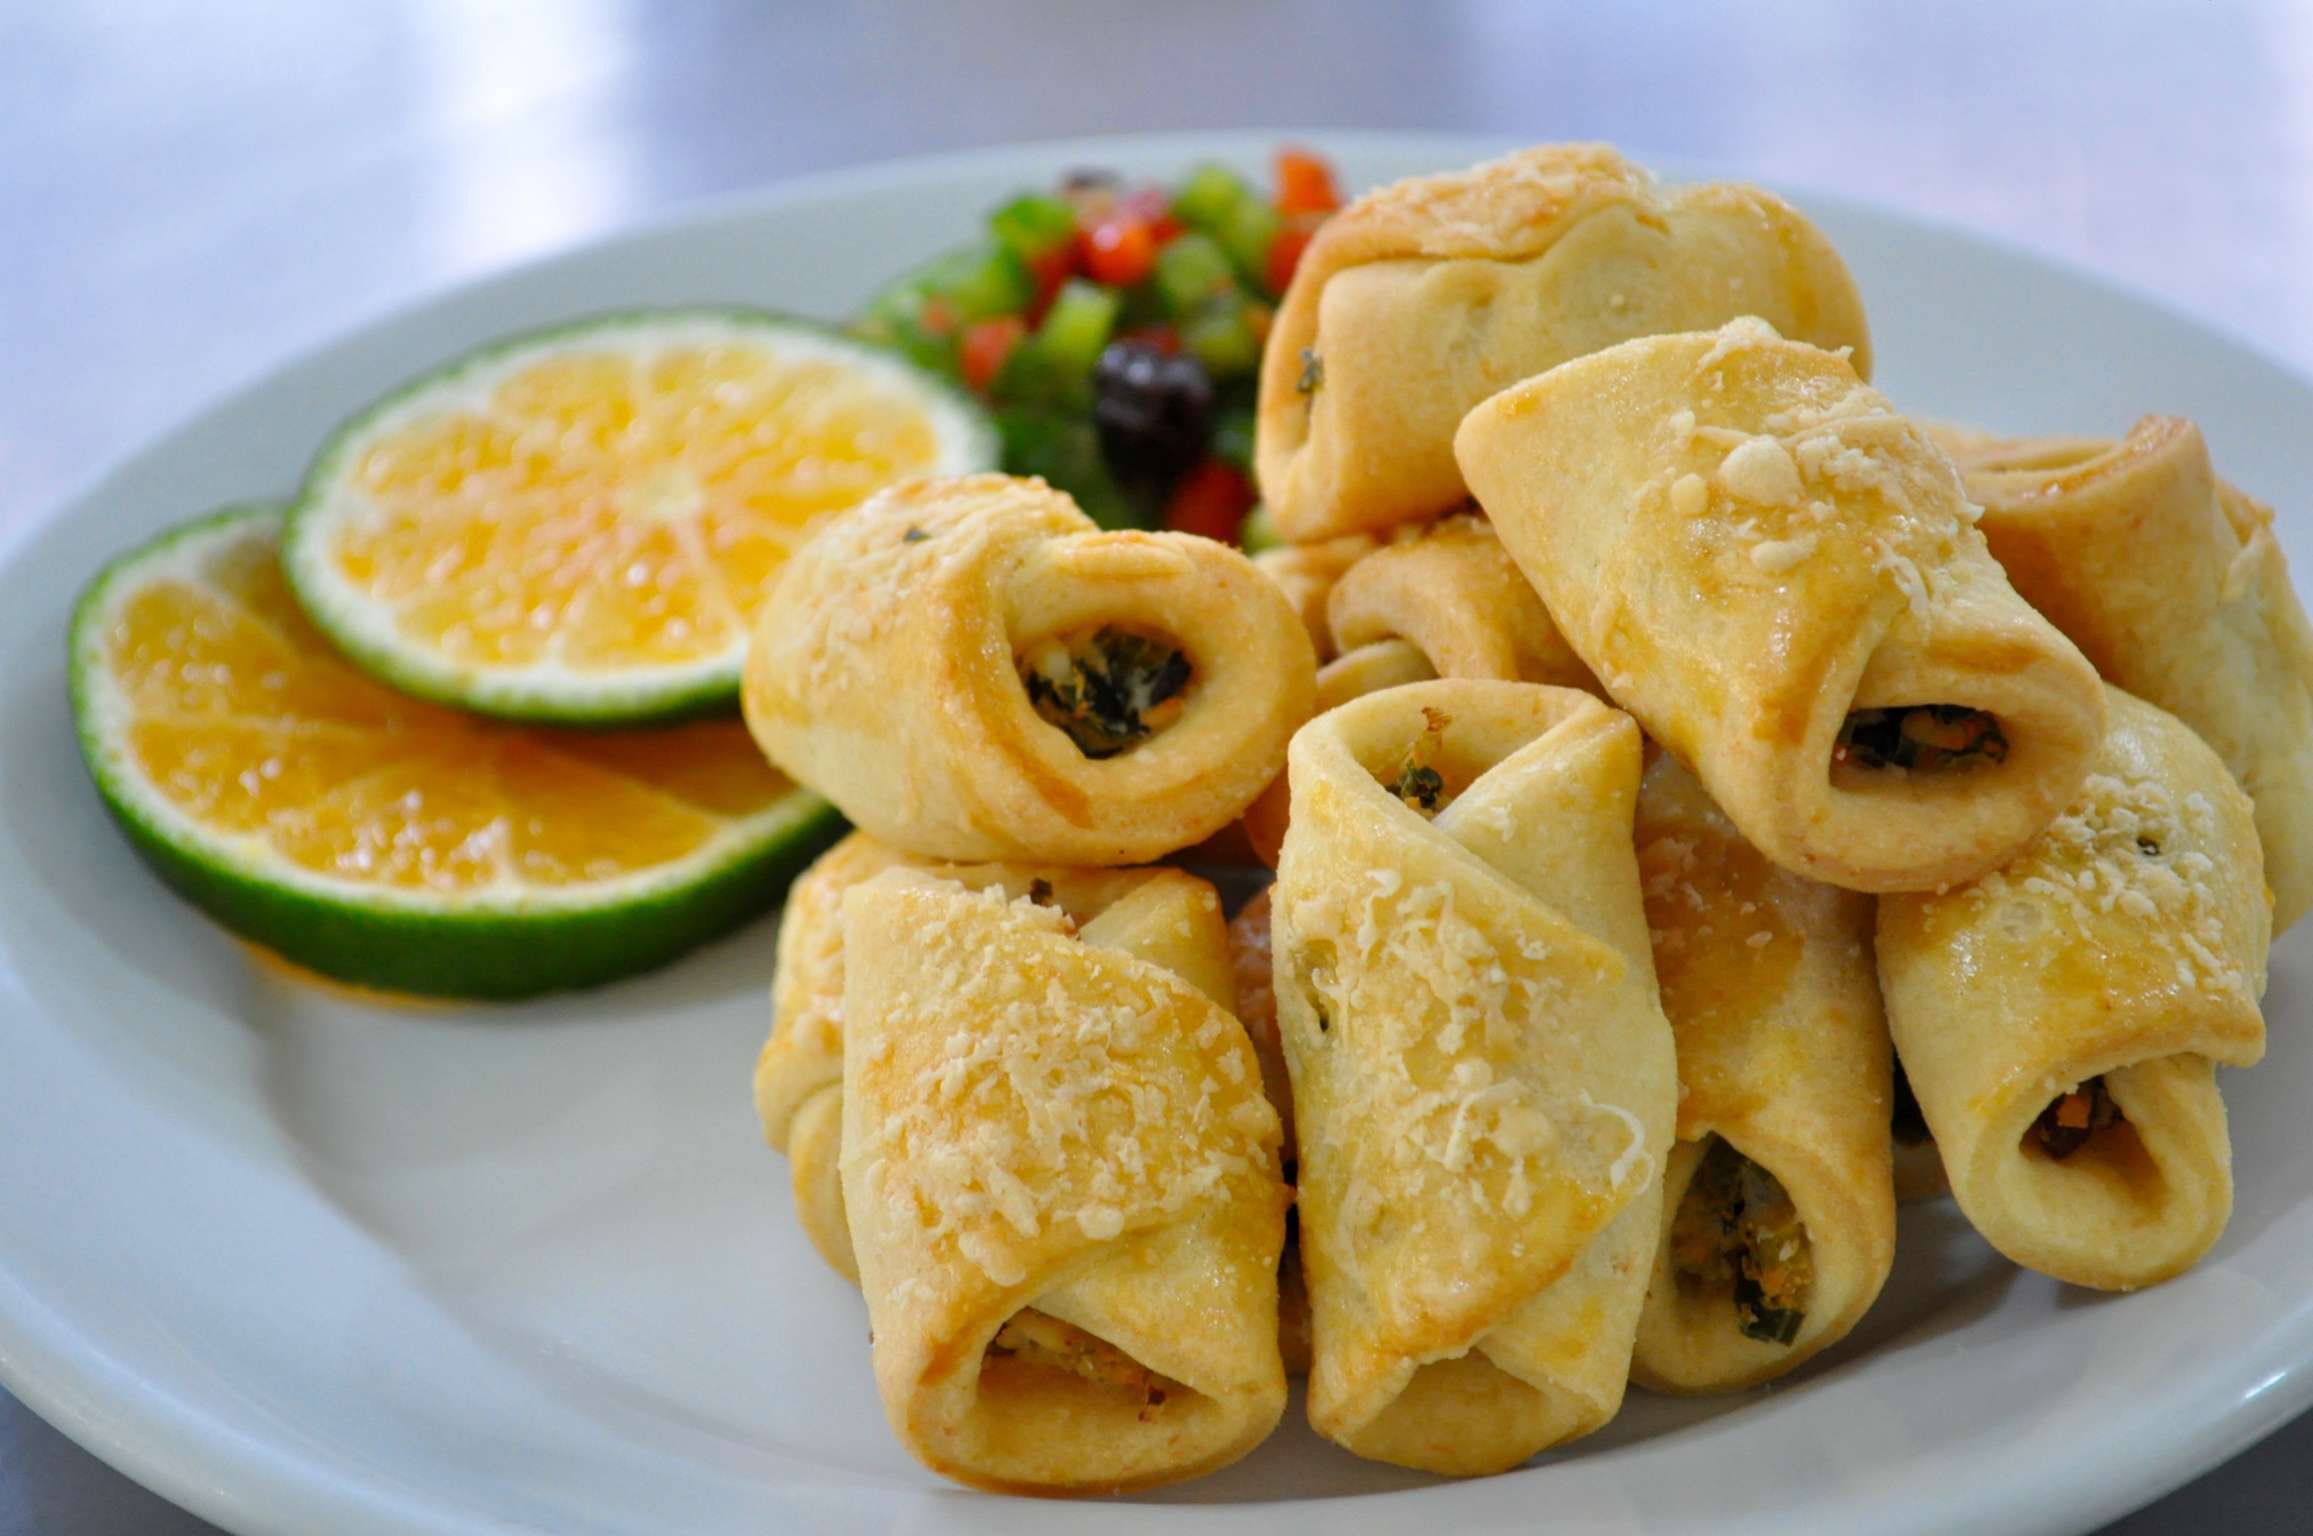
(488, 946)
(538, 695)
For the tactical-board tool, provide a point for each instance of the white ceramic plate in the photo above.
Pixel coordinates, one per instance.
(305, 1264)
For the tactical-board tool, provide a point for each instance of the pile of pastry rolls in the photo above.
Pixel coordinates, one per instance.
(1704, 806)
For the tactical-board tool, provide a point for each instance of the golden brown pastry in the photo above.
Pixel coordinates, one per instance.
(1779, 1201)
(970, 669)
(799, 1076)
(1420, 299)
(1919, 1167)
(1483, 1080)
(2172, 583)
(1063, 1185)
(1445, 601)
(2062, 1019)
(1781, 578)
(1305, 573)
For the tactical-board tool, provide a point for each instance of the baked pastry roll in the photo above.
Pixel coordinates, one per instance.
(970, 669)
(1305, 573)
(799, 1076)
(1444, 602)
(1250, 954)
(2173, 585)
(1779, 1200)
(1419, 300)
(1063, 1186)
(1483, 1081)
(1919, 1167)
(2062, 1019)
(1781, 578)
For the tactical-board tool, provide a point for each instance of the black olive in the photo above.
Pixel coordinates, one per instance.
(1154, 412)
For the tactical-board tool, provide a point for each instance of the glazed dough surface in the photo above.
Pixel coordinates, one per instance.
(1482, 1077)
(1422, 298)
(1745, 542)
(1783, 1052)
(2172, 583)
(2127, 942)
(886, 674)
(1040, 1121)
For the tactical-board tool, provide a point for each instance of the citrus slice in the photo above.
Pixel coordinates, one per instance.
(577, 526)
(386, 841)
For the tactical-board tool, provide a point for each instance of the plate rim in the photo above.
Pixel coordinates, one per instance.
(180, 1449)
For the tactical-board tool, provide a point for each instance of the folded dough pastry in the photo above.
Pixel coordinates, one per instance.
(2173, 585)
(2062, 1019)
(970, 669)
(1421, 299)
(1919, 1167)
(799, 1076)
(1063, 1186)
(1250, 954)
(1781, 578)
(1483, 1080)
(1444, 601)
(1305, 573)
(1779, 1201)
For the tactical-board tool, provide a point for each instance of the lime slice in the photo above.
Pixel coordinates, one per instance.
(578, 526)
(386, 841)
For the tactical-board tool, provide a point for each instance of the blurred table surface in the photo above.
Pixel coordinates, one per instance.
(193, 190)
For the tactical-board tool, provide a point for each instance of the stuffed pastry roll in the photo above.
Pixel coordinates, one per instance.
(2062, 1019)
(1249, 951)
(1781, 578)
(2173, 585)
(1778, 1202)
(1063, 1186)
(1919, 1167)
(970, 669)
(1305, 573)
(799, 1076)
(1444, 602)
(1483, 1081)
(1421, 299)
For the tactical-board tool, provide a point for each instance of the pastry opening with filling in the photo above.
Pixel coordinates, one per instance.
(1917, 738)
(1036, 1353)
(1108, 689)
(1738, 1235)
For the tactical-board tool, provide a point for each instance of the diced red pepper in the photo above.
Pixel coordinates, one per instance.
(1051, 271)
(936, 317)
(1153, 206)
(1305, 183)
(985, 346)
(1118, 251)
(1285, 255)
(1211, 500)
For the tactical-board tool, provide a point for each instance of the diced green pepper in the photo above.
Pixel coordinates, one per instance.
(1221, 337)
(979, 281)
(1206, 200)
(1233, 437)
(1082, 317)
(1191, 270)
(1259, 531)
(1064, 448)
(1033, 226)
(1247, 235)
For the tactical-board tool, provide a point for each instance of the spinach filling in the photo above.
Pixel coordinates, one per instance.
(1907, 1124)
(1034, 1338)
(2071, 1118)
(1931, 738)
(1417, 783)
(1107, 691)
(1737, 1232)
